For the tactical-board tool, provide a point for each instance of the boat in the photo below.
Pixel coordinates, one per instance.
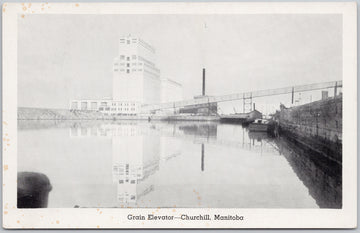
(244, 118)
(259, 125)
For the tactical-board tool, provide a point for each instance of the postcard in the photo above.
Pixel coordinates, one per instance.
(179, 115)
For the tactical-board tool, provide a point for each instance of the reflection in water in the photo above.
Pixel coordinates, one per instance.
(201, 130)
(135, 157)
(156, 164)
(321, 176)
(258, 136)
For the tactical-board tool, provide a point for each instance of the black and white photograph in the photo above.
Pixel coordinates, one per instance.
(152, 112)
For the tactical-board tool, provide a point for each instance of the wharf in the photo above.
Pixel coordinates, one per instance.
(317, 125)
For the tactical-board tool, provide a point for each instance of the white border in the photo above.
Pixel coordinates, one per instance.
(116, 218)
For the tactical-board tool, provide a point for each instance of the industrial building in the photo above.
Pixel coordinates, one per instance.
(201, 109)
(171, 91)
(107, 106)
(136, 82)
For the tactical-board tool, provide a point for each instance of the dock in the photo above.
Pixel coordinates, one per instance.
(316, 125)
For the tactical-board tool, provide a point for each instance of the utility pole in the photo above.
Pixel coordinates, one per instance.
(203, 82)
(202, 156)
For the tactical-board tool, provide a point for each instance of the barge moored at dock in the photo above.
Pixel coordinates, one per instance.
(241, 118)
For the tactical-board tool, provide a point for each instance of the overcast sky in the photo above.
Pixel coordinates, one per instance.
(62, 57)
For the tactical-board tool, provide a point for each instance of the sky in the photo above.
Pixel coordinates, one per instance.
(64, 57)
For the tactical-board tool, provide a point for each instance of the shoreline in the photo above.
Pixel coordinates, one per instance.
(82, 115)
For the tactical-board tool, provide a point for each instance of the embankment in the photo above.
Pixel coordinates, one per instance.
(57, 114)
(65, 114)
(317, 125)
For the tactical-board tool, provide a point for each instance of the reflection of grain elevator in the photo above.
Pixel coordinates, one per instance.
(138, 152)
(136, 157)
(201, 109)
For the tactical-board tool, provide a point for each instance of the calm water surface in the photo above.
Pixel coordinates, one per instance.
(178, 164)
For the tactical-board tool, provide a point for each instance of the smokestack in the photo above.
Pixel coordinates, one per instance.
(203, 83)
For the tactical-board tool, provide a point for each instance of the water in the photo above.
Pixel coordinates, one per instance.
(177, 164)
